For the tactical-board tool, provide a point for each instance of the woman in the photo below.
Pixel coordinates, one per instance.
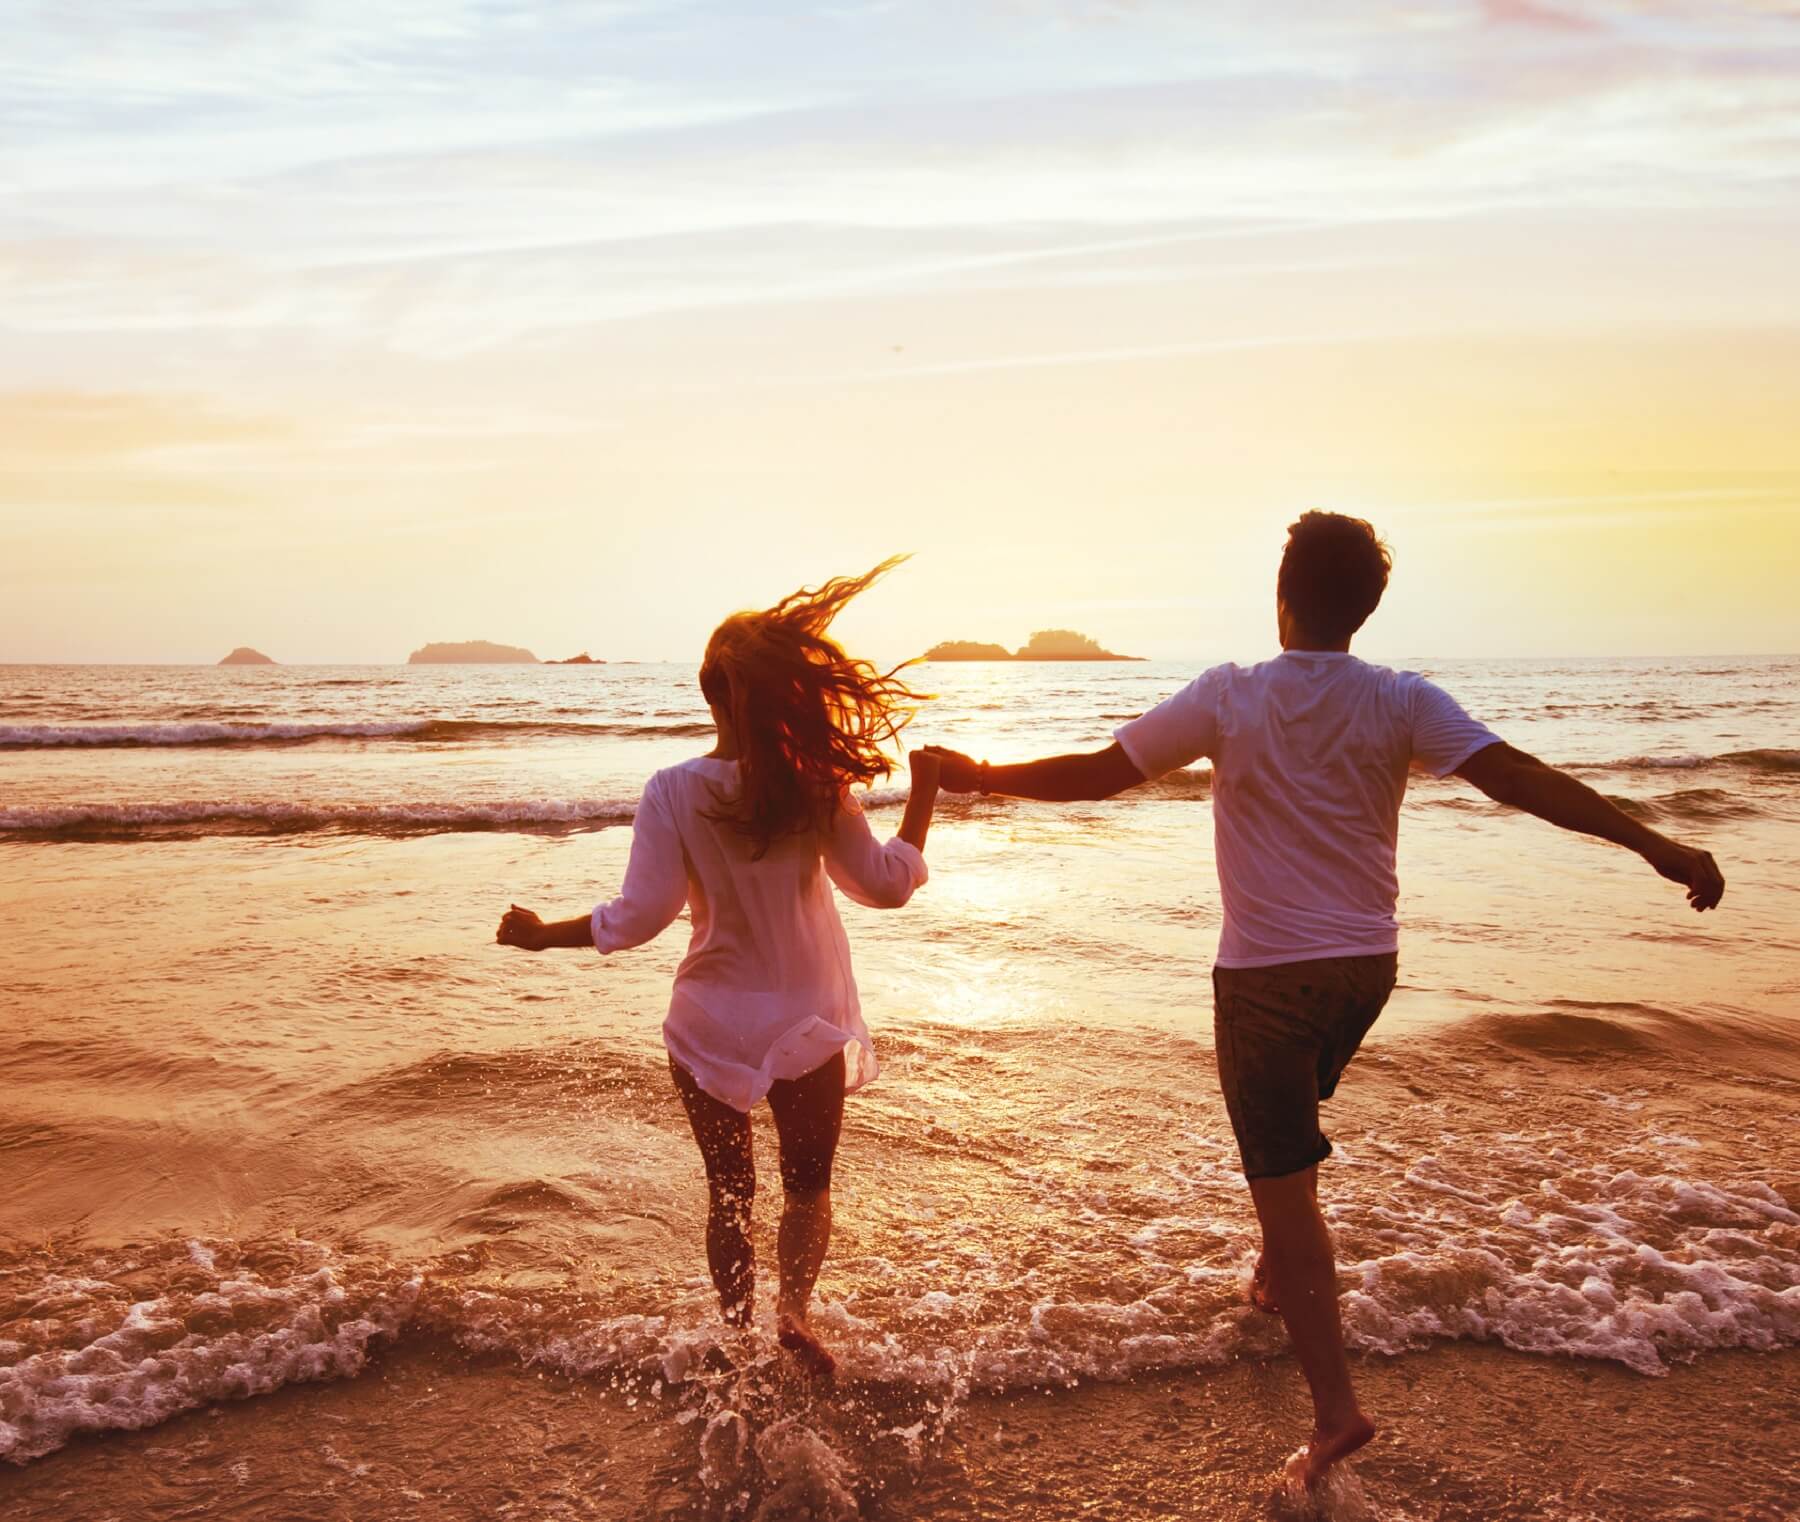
(750, 837)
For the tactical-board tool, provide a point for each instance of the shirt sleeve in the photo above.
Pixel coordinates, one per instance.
(1179, 730)
(870, 873)
(655, 887)
(1443, 735)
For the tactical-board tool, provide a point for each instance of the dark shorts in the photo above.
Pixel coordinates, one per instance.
(1284, 1036)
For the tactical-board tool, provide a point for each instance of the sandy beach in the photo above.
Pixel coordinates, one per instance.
(1470, 1433)
(323, 1205)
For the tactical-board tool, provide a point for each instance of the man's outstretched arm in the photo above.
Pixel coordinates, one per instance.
(1056, 779)
(1521, 781)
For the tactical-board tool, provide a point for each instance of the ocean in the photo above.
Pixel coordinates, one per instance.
(319, 1203)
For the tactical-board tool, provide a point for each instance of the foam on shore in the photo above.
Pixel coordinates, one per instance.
(1643, 1270)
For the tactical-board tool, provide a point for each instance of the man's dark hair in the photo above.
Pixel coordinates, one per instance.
(1333, 573)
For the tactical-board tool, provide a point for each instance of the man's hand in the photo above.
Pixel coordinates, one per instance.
(521, 928)
(1695, 870)
(957, 773)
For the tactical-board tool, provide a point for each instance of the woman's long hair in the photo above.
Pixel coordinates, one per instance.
(811, 721)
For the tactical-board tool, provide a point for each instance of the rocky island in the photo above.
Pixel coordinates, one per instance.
(471, 652)
(245, 656)
(584, 659)
(967, 650)
(1045, 645)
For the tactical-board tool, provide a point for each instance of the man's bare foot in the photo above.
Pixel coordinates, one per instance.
(1312, 1463)
(793, 1333)
(1262, 1293)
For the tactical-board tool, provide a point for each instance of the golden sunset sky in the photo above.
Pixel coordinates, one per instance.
(337, 326)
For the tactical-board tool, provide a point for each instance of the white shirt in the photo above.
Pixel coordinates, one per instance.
(1310, 753)
(765, 990)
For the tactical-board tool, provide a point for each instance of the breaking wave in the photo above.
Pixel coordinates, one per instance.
(1693, 805)
(131, 821)
(138, 821)
(300, 732)
(1640, 1268)
(1767, 761)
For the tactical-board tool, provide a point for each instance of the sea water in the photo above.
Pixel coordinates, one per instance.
(275, 1109)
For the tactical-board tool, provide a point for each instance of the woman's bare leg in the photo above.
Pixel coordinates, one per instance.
(809, 1115)
(724, 1137)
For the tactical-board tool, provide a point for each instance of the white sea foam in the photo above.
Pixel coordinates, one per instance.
(235, 1335)
(806, 1476)
(1339, 1497)
(1643, 1269)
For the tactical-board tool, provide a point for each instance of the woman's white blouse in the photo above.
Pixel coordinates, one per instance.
(765, 990)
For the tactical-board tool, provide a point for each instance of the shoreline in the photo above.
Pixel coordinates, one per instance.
(1030, 660)
(1469, 1431)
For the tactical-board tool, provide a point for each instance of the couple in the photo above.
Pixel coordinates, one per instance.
(1310, 753)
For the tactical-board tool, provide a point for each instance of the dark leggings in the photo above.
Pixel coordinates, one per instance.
(809, 1113)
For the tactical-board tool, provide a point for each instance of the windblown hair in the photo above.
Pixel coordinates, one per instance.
(1333, 572)
(811, 721)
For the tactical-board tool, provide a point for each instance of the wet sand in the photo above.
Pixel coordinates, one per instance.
(1470, 1434)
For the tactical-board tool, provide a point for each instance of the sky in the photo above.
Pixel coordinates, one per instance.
(334, 327)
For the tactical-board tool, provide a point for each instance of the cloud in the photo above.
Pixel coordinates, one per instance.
(446, 177)
(1529, 13)
(75, 427)
(1130, 354)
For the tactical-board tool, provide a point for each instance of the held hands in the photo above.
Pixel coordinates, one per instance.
(957, 773)
(521, 928)
(1692, 869)
(923, 765)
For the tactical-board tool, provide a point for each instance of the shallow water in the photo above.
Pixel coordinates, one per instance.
(277, 1110)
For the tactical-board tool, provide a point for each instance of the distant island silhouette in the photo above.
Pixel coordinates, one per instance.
(471, 652)
(1045, 645)
(584, 659)
(245, 656)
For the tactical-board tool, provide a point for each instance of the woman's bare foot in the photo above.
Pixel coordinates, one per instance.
(1262, 1293)
(793, 1333)
(1312, 1463)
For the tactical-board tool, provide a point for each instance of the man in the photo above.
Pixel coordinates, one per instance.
(1310, 753)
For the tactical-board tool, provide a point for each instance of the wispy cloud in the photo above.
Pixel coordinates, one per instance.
(440, 177)
(1116, 356)
(1531, 13)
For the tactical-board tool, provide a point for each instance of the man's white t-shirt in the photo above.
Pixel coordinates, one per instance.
(1310, 753)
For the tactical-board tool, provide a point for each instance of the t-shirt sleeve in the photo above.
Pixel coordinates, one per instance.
(1179, 730)
(1443, 735)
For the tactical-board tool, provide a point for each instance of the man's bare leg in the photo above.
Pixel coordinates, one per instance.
(1262, 1293)
(1303, 1273)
